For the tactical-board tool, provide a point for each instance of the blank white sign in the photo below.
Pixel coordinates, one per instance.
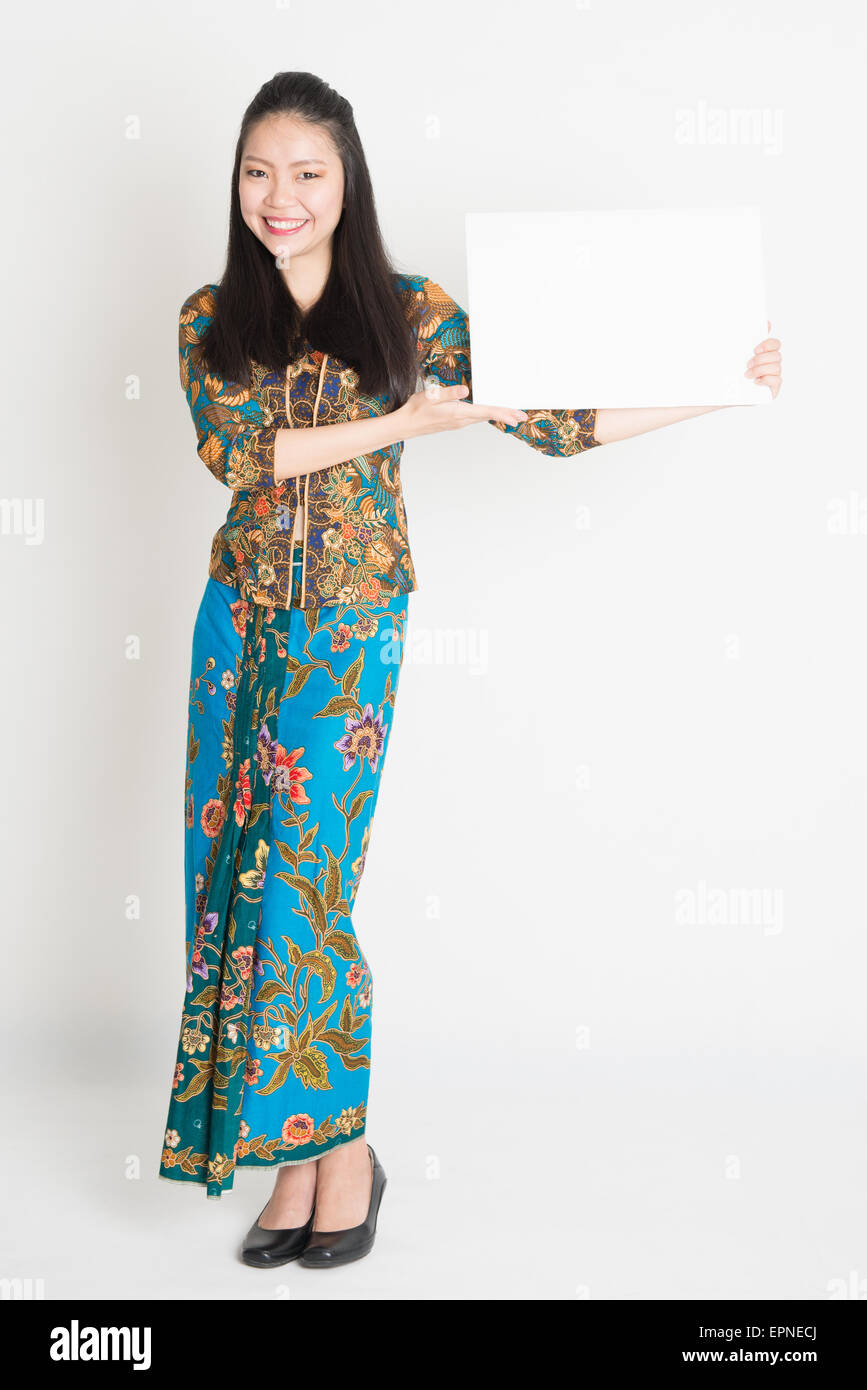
(646, 307)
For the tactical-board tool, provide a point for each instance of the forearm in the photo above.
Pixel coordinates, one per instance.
(309, 450)
(612, 425)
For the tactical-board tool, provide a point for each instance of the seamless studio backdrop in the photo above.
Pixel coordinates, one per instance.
(614, 902)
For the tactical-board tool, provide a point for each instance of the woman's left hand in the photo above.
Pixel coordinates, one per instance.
(765, 366)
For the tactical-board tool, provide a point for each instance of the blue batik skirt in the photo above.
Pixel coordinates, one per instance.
(290, 721)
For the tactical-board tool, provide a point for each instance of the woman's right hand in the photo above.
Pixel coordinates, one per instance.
(438, 408)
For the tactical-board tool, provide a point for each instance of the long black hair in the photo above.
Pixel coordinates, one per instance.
(358, 317)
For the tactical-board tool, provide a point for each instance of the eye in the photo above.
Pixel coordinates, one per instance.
(256, 171)
(311, 173)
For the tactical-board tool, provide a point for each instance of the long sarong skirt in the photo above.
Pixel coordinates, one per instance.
(289, 724)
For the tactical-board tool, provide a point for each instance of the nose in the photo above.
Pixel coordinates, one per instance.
(280, 194)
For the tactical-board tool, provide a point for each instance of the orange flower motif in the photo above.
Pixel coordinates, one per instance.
(244, 956)
(261, 506)
(298, 1129)
(240, 614)
(287, 777)
(213, 815)
(243, 792)
(370, 587)
(340, 639)
(347, 531)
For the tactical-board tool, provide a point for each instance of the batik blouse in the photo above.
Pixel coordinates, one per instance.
(355, 546)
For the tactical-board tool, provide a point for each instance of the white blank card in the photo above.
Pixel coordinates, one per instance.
(646, 307)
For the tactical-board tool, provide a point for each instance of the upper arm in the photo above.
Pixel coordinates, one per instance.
(444, 337)
(235, 433)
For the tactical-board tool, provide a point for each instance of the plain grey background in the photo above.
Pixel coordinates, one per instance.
(614, 900)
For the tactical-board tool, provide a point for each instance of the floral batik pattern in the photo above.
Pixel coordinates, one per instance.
(290, 719)
(356, 541)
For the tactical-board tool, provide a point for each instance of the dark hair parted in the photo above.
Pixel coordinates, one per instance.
(358, 317)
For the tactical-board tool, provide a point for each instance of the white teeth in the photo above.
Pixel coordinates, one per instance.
(284, 225)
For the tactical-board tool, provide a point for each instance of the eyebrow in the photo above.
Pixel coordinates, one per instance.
(293, 165)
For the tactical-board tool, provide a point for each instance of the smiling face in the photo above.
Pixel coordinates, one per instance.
(291, 185)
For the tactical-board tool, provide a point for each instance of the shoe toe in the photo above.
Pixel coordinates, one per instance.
(261, 1259)
(317, 1255)
(265, 1249)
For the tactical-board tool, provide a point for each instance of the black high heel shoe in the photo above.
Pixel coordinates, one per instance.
(266, 1249)
(327, 1248)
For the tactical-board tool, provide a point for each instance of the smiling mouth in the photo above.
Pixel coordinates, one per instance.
(285, 226)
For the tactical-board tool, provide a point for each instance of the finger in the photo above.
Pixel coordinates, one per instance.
(768, 345)
(503, 416)
(774, 382)
(763, 360)
(508, 415)
(502, 409)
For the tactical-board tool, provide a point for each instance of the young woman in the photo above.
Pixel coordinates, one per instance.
(301, 368)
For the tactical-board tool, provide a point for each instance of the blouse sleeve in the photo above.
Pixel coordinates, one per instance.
(444, 338)
(236, 434)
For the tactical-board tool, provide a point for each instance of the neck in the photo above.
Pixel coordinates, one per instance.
(305, 276)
